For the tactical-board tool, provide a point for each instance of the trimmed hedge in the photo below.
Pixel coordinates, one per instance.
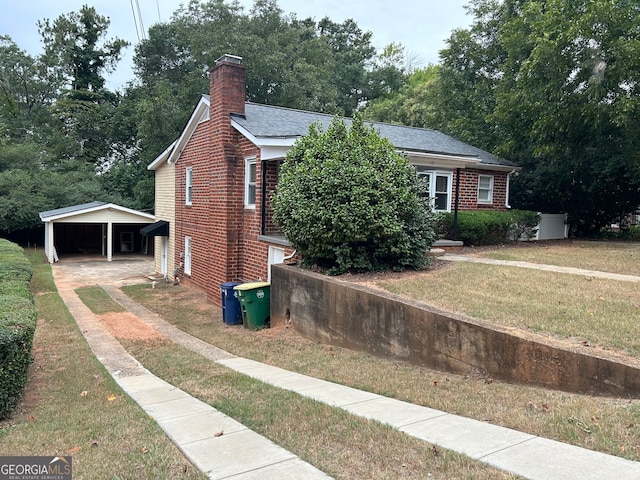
(632, 233)
(18, 318)
(489, 227)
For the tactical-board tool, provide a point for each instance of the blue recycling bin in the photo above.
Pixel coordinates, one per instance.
(231, 312)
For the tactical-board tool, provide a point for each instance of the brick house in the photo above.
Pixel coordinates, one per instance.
(226, 162)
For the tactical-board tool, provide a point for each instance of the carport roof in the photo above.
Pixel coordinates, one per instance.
(61, 213)
(73, 209)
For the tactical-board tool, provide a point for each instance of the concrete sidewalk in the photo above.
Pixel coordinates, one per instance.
(523, 454)
(215, 443)
(540, 266)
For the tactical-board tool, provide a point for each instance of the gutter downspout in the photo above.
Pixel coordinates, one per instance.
(506, 204)
(455, 208)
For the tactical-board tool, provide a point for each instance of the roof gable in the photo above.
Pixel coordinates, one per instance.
(92, 207)
(172, 153)
(163, 157)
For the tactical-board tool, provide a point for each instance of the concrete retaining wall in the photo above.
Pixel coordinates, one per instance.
(335, 312)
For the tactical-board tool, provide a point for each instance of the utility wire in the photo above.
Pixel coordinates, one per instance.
(140, 17)
(135, 20)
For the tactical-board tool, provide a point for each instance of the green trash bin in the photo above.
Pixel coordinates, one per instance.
(254, 304)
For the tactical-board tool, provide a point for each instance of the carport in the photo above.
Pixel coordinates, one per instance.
(94, 228)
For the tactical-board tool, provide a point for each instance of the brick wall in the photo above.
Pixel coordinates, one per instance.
(188, 217)
(273, 170)
(255, 252)
(214, 218)
(226, 172)
(469, 190)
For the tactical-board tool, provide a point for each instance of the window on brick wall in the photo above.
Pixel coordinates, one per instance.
(439, 187)
(250, 183)
(187, 255)
(188, 188)
(485, 189)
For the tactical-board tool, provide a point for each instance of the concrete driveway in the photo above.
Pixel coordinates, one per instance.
(77, 271)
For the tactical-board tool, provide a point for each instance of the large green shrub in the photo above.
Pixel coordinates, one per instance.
(631, 233)
(18, 317)
(489, 227)
(348, 202)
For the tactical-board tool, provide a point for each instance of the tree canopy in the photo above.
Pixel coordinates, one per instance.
(321, 66)
(73, 53)
(57, 119)
(58, 138)
(551, 85)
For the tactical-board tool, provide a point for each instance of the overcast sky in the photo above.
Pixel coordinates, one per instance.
(420, 25)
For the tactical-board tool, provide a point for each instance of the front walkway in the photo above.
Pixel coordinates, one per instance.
(541, 266)
(190, 423)
(208, 438)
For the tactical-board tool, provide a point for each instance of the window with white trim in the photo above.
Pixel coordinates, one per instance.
(439, 187)
(250, 182)
(187, 255)
(485, 188)
(188, 189)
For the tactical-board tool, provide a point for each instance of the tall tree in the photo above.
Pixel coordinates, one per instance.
(388, 73)
(353, 55)
(24, 93)
(553, 86)
(74, 49)
(412, 104)
(77, 56)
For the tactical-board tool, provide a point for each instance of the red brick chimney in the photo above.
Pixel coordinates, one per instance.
(227, 95)
(227, 87)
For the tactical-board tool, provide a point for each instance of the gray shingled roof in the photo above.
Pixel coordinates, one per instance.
(72, 209)
(266, 121)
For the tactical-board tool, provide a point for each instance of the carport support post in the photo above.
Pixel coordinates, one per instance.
(49, 241)
(109, 241)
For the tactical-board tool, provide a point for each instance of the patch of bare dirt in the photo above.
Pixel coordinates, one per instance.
(127, 325)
